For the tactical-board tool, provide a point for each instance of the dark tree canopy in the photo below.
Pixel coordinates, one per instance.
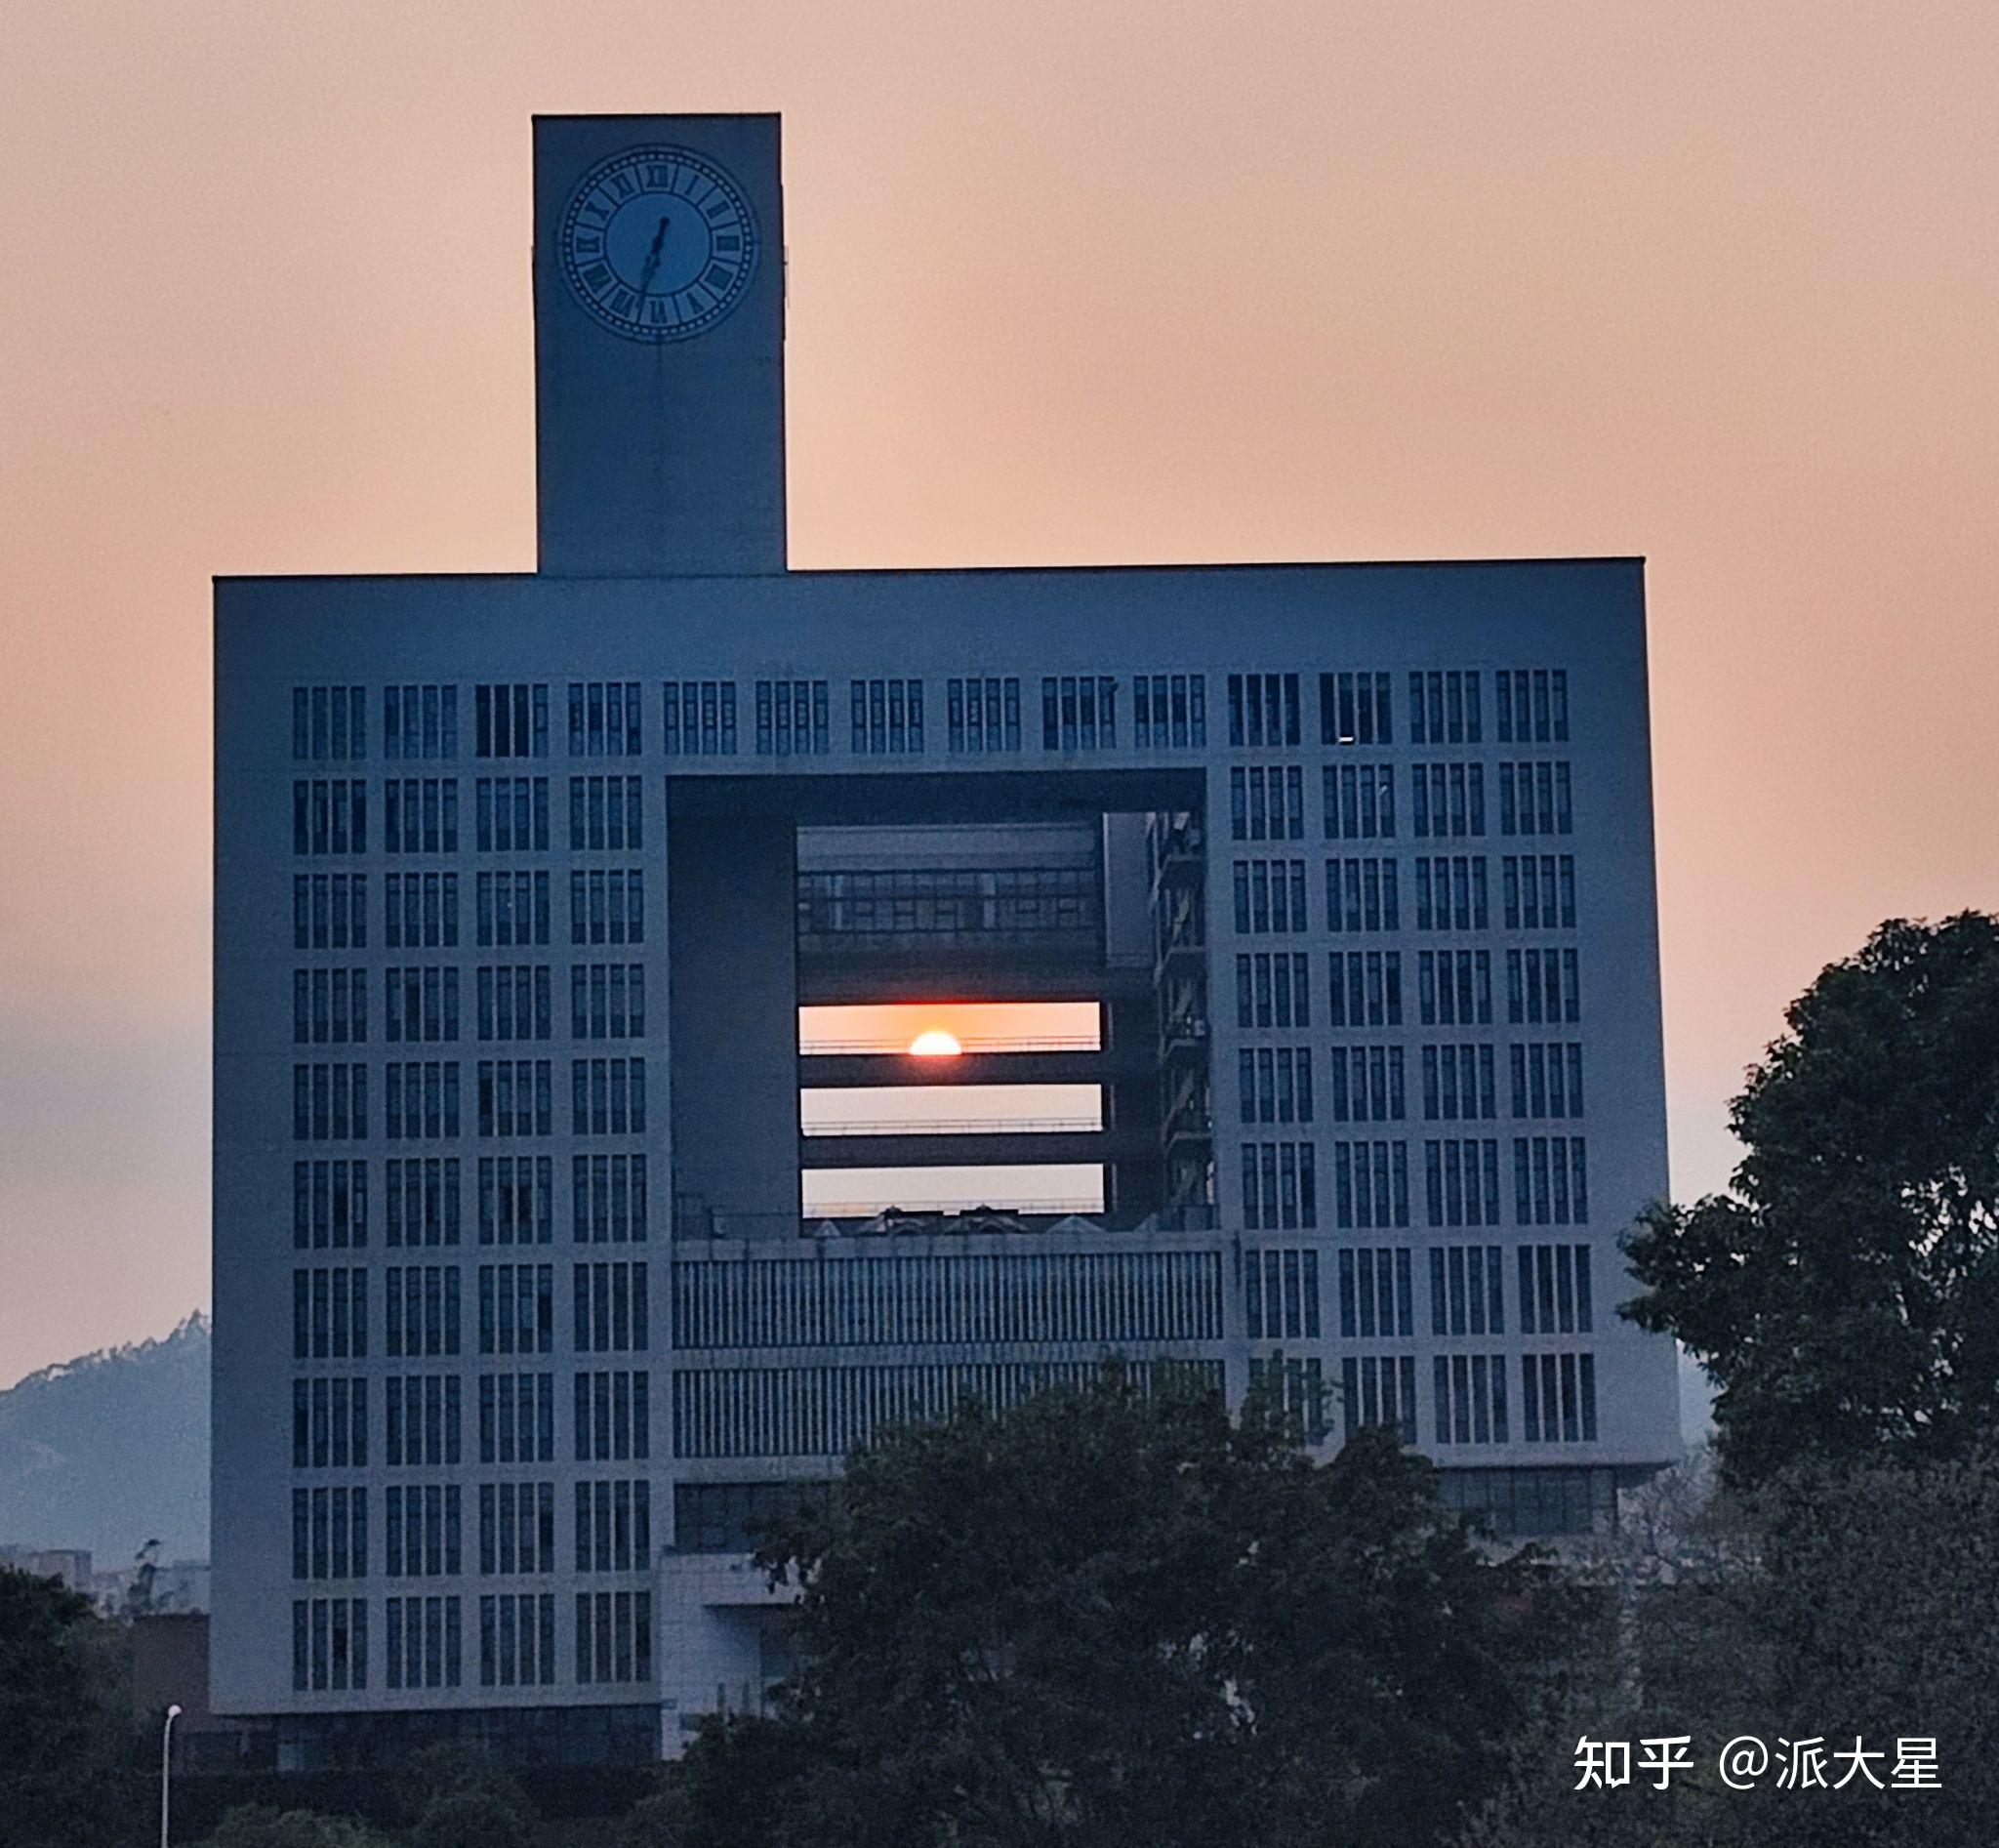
(1834, 1601)
(1845, 1293)
(261, 1825)
(67, 1778)
(1111, 1619)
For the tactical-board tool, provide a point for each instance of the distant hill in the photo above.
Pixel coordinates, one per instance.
(110, 1450)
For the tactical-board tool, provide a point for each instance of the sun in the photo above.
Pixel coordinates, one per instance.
(936, 1044)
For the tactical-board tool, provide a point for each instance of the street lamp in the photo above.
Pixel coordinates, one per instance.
(166, 1767)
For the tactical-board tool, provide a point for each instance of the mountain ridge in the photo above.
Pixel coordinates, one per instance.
(110, 1450)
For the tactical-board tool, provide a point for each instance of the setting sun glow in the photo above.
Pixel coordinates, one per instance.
(936, 1044)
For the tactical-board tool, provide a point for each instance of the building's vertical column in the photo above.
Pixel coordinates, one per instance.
(732, 935)
(259, 856)
(613, 1176)
(1459, 1173)
(1574, 743)
(1267, 915)
(1133, 1188)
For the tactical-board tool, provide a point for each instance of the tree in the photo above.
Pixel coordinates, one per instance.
(461, 1797)
(146, 1569)
(67, 1775)
(1126, 1621)
(261, 1825)
(743, 1780)
(1845, 1293)
(471, 1816)
(1834, 1601)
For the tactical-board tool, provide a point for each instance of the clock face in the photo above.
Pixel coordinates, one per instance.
(659, 243)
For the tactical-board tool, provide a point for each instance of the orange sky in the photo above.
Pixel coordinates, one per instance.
(1069, 282)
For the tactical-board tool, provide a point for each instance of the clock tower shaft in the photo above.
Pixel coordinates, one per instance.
(658, 456)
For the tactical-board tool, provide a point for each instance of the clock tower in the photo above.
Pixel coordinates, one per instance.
(659, 346)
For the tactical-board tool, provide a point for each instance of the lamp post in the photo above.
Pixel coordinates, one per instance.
(166, 1767)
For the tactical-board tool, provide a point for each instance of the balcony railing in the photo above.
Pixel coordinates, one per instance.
(694, 1221)
(963, 1126)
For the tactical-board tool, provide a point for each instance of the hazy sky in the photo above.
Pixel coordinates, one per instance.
(1070, 282)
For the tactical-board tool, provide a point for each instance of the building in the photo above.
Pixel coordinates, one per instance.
(169, 1668)
(1312, 911)
(70, 1564)
(180, 1586)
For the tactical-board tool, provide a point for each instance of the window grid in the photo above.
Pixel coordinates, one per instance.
(1550, 1180)
(1281, 1294)
(1366, 1084)
(1376, 1294)
(1458, 1082)
(885, 717)
(700, 719)
(510, 721)
(1379, 1389)
(1447, 800)
(1461, 1181)
(420, 723)
(329, 723)
(1467, 1294)
(1370, 1183)
(421, 911)
(1365, 988)
(791, 718)
(1361, 895)
(1267, 803)
(1468, 1392)
(1444, 707)
(1263, 709)
(1270, 897)
(983, 715)
(1279, 1186)
(1355, 709)
(605, 719)
(1538, 891)
(1533, 704)
(1556, 1293)
(423, 1198)
(1359, 802)
(1558, 1398)
(511, 814)
(1170, 711)
(1079, 712)
(330, 1206)
(1274, 989)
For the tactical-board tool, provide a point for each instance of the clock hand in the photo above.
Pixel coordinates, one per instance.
(652, 259)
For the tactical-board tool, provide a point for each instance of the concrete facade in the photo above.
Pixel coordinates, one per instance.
(1355, 861)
